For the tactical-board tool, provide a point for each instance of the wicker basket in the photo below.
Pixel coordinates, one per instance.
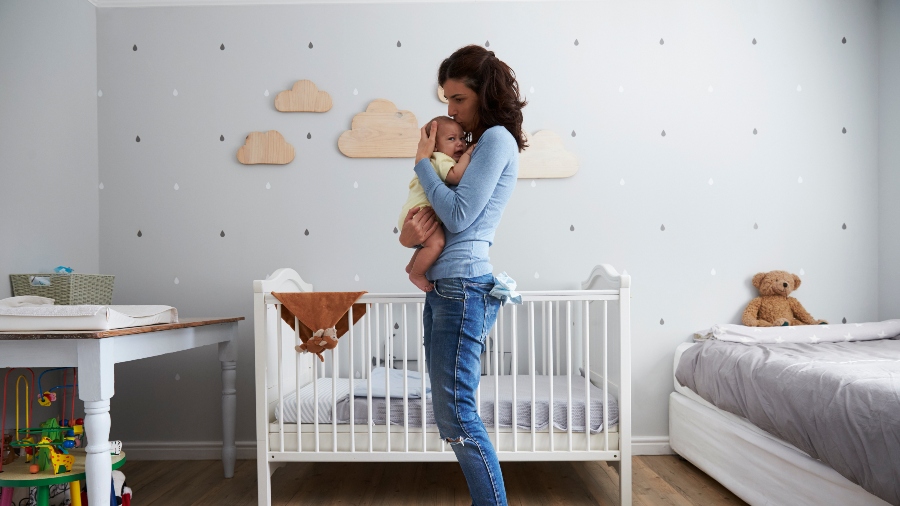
(67, 289)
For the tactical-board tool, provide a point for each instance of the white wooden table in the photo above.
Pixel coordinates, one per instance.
(95, 353)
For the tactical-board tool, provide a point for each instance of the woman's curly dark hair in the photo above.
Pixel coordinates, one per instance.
(494, 82)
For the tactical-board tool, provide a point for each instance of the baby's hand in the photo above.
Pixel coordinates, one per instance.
(471, 148)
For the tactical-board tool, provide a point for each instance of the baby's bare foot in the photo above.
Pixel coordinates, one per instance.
(409, 266)
(421, 282)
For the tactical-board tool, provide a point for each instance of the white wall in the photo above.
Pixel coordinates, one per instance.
(799, 86)
(889, 159)
(49, 209)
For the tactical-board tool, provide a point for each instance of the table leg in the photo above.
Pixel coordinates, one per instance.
(95, 387)
(6, 496)
(75, 493)
(228, 357)
(43, 495)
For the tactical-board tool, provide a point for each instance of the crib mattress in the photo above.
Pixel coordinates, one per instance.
(487, 400)
(82, 317)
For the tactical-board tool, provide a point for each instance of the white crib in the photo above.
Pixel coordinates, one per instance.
(536, 355)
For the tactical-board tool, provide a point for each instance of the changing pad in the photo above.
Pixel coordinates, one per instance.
(52, 317)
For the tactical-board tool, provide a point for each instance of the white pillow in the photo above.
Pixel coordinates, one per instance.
(413, 385)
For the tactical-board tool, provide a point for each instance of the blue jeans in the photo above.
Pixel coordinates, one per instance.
(458, 315)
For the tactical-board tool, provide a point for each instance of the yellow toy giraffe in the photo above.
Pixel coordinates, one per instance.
(61, 462)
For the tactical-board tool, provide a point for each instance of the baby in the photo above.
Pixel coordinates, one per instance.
(449, 160)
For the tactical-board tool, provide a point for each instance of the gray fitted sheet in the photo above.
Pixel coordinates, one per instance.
(414, 406)
(838, 402)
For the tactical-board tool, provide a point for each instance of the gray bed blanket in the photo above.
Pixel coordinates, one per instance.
(838, 402)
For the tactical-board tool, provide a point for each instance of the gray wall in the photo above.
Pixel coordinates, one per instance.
(889, 158)
(755, 216)
(48, 137)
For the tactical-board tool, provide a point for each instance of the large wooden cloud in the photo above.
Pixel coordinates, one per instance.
(304, 96)
(381, 132)
(265, 147)
(546, 157)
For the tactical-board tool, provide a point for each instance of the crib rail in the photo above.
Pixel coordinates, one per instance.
(559, 342)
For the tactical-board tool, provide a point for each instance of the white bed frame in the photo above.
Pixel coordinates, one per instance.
(555, 333)
(755, 465)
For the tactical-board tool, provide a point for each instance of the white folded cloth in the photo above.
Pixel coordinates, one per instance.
(37, 317)
(26, 301)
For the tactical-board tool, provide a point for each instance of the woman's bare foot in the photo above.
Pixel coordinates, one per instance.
(421, 282)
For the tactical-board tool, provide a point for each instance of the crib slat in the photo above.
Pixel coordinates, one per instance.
(500, 369)
(335, 370)
(350, 376)
(405, 386)
(281, 377)
(605, 378)
(555, 331)
(315, 362)
(544, 352)
(569, 370)
(551, 411)
(586, 326)
(388, 366)
(369, 375)
(420, 335)
(496, 389)
(297, 371)
(515, 371)
(532, 366)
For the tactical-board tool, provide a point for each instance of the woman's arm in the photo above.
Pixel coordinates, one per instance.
(460, 207)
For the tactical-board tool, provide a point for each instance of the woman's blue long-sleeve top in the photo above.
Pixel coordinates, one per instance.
(471, 211)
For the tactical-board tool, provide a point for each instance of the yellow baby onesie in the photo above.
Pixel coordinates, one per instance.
(442, 164)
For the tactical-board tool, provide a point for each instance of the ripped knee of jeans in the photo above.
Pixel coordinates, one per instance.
(457, 440)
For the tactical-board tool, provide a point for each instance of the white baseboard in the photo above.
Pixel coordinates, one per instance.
(185, 450)
(651, 445)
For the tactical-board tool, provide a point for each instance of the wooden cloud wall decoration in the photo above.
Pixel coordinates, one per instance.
(382, 131)
(265, 147)
(304, 96)
(546, 157)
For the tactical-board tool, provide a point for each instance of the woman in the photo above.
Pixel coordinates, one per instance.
(459, 312)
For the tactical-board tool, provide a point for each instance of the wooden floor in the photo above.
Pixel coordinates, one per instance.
(666, 480)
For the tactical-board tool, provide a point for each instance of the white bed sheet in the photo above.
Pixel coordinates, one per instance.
(756, 466)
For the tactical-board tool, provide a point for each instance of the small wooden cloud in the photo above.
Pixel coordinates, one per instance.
(546, 157)
(381, 132)
(303, 97)
(265, 147)
(441, 96)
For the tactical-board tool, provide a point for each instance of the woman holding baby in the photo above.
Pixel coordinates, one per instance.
(459, 311)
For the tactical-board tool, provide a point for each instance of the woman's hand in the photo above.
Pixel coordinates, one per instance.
(426, 145)
(419, 224)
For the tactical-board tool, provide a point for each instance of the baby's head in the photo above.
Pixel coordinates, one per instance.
(450, 137)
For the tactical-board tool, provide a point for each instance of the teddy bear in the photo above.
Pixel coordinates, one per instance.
(321, 340)
(8, 455)
(774, 307)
